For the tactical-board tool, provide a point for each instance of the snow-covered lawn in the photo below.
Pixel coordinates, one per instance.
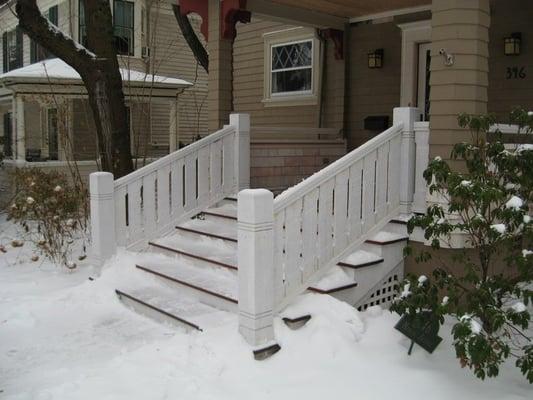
(64, 336)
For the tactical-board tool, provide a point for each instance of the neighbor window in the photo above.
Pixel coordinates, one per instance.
(82, 30)
(291, 67)
(38, 53)
(123, 20)
(12, 49)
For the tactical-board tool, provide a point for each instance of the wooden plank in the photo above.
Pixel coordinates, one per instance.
(293, 245)
(325, 221)
(120, 216)
(340, 212)
(215, 168)
(163, 195)
(149, 209)
(309, 234)
(228, 173)
(279, 256)
(355, 206)
(203, 176)
(190, 182)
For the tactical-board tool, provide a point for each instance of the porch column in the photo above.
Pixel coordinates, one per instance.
(19, 131)
(219, 96)
(459, 69)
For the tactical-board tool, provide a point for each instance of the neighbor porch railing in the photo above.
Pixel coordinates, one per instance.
(150, 201)
(284, 244)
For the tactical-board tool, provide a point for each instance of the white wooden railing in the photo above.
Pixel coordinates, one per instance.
(150, 201)
(287, 243)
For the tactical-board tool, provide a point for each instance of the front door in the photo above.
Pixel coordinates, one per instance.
(424, 58)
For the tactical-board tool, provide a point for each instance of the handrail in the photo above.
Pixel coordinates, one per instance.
(294, 193)
(169, 158)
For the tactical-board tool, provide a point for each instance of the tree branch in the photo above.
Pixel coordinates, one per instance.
(50, 37)
(189, 34)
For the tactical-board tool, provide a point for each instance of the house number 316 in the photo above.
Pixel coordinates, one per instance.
(515, 73)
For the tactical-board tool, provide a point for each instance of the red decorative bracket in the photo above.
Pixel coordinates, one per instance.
(337, 37)
(231, 12)
(198, 7)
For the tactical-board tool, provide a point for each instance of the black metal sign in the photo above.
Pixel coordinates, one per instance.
(422, 329)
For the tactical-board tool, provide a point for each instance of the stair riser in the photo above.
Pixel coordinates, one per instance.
(207, 298)
(155, 315)
(345, 295)
(394, 227)
(190, 260)
(385, 250)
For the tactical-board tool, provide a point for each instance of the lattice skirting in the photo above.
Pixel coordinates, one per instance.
(383, 293)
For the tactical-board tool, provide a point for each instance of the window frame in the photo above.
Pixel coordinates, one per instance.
(18, 62)
(131, 50)
(284, 38)
(37, 52)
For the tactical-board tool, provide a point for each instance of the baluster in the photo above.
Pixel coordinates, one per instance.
(228, 164)
(203, 176)
(120, 216)
(177, 187)
(215, 171)
(325, 224)
(309, 234)
(279, 257)
(355, 205)
(163, 195)
(293, 244)
(381, 193)
(340, 218)
(369, 174)
(190, 181)
(150, 188)
(135, 211)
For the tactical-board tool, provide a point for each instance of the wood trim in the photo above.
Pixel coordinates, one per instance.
(122, 294)
(337, 289)
(192, 286)
(392, 13)
(357, 266)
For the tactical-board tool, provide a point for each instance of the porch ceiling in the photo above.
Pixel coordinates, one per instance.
(351, 8)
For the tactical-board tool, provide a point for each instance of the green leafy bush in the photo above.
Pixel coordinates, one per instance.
(488, 201)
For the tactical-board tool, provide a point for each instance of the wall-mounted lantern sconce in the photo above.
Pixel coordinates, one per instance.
(375, 59)
(512, 44)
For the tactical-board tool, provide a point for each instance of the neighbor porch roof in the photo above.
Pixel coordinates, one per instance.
(54, 71)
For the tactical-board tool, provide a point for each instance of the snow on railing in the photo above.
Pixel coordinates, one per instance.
(285, 244)
(151, 200)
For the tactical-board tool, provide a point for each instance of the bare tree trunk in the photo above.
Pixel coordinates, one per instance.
(98, 67)
(194, 43)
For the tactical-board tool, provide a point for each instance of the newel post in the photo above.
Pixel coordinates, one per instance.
(241, 122)
(102, 216)
(407, 116)
(256, 269)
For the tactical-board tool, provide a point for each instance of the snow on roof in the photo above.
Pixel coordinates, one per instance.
(56, 68)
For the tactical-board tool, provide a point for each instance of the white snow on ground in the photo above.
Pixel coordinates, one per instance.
(63, 336)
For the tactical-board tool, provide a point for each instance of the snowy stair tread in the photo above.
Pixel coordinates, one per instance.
(217, 282)
(360, 258)
(385, 237)
(227, 210)
(177, 306)
(205, 248)
(210, 229)
(334, 280)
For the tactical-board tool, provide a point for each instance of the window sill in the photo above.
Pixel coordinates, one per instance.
(290, 101)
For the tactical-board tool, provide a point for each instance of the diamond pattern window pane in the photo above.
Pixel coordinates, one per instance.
(294, 55)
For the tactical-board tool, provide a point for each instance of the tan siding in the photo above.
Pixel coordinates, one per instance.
(504, 94)
(372, 92)
(32, 125)
(83, 131)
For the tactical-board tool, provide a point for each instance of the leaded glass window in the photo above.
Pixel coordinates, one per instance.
(292, 67)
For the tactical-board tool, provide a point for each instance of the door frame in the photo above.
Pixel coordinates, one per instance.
(413, 34)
